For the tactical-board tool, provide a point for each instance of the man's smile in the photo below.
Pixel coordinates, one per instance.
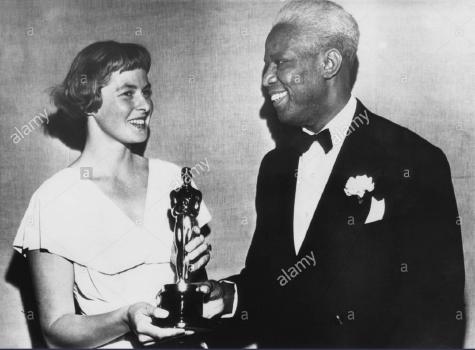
(279, 98)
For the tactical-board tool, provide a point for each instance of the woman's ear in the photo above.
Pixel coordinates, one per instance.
(332, 60)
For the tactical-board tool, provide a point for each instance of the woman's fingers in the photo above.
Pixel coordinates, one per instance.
(143, 339)
(160, 313)
(140, 319)
(194, 243)
(202, 249)
(201, 262)
(161, 333)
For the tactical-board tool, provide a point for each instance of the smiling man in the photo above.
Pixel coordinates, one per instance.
(373, 201)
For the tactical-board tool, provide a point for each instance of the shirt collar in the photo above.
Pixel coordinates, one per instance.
(340, 123)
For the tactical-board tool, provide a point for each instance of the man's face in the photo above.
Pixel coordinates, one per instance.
(126, 107)
(292, 76)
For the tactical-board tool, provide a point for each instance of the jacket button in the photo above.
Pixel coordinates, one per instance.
(338, 319)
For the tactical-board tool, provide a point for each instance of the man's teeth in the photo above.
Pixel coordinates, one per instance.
(137, 122)
(278, 96)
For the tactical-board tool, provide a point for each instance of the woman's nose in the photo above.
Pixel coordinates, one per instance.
(144, 104)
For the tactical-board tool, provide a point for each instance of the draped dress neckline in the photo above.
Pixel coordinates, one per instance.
(120, 211)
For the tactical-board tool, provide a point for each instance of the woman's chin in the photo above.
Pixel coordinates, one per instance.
(139, 135)
(134, 140)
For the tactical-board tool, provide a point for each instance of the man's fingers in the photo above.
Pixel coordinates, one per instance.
(204, 288)
(213, 308)
(194, 243)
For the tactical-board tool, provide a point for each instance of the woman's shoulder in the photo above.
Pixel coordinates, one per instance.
(59, 183)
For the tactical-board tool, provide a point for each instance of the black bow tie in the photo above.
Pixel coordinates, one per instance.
(323, 138)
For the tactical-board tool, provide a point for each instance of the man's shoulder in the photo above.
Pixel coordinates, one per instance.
(373, 134)
(398, 141)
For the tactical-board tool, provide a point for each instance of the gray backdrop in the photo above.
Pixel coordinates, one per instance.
(416, 69)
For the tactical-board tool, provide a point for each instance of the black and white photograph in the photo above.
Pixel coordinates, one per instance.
(237, 174)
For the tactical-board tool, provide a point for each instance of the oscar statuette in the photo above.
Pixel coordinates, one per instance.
(182, 299)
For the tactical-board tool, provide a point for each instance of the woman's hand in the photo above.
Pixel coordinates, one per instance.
(198, 253)
(139, 319)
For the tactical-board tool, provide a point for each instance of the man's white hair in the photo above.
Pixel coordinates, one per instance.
(323, 24)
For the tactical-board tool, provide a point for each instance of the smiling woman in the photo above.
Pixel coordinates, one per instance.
(97, 232)
(101, 70)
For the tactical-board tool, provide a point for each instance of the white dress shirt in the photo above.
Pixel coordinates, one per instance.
(314, 170)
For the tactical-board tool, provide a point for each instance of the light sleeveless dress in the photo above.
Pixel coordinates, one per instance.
(117, 261)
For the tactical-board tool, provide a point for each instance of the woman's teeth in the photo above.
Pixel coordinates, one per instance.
(138, 123)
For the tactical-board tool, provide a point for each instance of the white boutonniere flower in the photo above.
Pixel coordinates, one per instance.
(358, 186)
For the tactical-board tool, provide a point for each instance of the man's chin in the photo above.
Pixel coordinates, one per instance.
(287, 118)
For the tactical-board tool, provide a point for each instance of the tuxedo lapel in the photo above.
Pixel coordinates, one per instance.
(286, 171)
(335, 211)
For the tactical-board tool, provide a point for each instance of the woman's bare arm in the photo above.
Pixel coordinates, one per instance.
(53, 280)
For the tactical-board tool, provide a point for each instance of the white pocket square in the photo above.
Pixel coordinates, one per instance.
(376, 211)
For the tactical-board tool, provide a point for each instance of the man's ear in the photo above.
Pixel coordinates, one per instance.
(332, 60)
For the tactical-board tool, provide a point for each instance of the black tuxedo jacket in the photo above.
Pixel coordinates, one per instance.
(397, 282)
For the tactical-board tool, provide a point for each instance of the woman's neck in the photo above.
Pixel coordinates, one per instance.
(108, 157)
(110, 161)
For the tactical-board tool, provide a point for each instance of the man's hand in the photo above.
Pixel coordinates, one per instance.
(219, 298)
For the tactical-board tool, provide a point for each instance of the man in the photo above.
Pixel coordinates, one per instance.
(357, 240)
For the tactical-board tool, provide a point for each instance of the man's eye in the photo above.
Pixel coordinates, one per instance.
(128, 93)
(147, 93)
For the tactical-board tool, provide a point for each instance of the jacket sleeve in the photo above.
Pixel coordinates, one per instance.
(251, 281)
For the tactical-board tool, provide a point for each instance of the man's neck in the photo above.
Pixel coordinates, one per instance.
(335, 103)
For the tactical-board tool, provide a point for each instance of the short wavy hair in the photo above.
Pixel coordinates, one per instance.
(80, 92)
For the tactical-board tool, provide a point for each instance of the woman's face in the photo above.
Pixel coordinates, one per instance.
(126, 107)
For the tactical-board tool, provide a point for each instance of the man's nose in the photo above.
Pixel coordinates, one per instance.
(269, 76)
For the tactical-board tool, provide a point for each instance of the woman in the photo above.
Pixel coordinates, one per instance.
(97, 232)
